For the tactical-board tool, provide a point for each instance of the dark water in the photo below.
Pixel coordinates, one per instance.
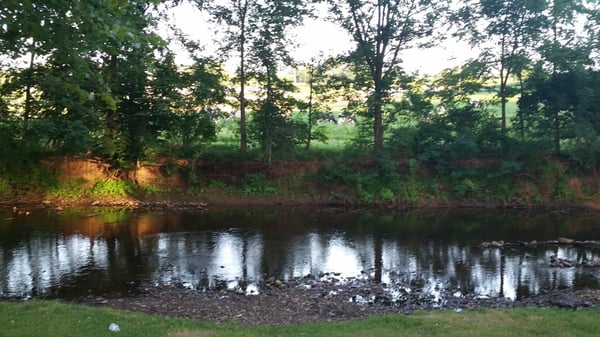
(78, 253)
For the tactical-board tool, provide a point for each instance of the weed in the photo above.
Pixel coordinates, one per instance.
(107, 188)
(154, 190)
(217, 184)
(70, 189)
(194, 191)
(466, 188)
(386, 194)
(256, 184)
(5, 188)
(339, 197)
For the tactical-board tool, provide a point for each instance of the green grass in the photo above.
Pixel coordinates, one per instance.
(49, 318)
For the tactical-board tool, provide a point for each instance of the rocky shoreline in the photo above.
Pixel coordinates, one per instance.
(306, 300)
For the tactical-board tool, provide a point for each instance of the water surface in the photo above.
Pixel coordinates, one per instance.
(98, 252)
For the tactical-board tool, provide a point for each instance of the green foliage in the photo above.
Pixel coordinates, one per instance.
(256, 184)
(466, 188)
(21, 170)
(153, 190)
(108, 188)
(194, 191)
(270, 126)
(12, 151)
(5, 188)
(217, 184)
(115, 91)
(70, 189)
(386, 194)
(386, 184)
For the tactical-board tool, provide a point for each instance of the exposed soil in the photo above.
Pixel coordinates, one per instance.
(221, 178)
(307, 300)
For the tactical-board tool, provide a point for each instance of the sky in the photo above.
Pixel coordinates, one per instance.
(319, 36)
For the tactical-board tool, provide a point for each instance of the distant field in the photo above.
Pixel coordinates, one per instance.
(340, 135)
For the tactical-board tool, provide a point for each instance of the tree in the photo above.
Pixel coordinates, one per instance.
(271, 125)
(318, 94)
(70, 82)
(550, 92)
(257, 32)
(64, 39)
(382, 29)
(253, 27)
(459, 128)
(237, 18)
(186, 101)
(507, 31)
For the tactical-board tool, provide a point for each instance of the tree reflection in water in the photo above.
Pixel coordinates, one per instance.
(72, 255)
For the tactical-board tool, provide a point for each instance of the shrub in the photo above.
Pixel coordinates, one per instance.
(5, 188)
(154, 190)
(108, 188)
(256, 184)
(386, 194)
(69, 189)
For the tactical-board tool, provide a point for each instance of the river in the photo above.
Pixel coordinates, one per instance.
(93, 252)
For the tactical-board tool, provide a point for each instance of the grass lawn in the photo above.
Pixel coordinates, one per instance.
(49, 318)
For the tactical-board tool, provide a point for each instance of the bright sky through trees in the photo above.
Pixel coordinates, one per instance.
(319, 36)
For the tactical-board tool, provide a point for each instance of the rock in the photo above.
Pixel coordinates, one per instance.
(565, 241)
(497, 244)
(492, 244)
(557, 262)
(595, 263)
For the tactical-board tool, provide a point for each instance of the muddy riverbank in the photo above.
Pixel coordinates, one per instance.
(307, 300)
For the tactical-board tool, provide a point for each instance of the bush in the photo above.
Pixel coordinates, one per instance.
(256, 184)
(5, 188)
(107, 188)
(70, 189)
(386, 194)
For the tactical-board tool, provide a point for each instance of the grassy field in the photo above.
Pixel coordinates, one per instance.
(49, 318)
(341, 135)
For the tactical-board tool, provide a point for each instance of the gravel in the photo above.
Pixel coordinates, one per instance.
(304, 301)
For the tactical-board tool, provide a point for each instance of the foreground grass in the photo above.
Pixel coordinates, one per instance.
(49, 318)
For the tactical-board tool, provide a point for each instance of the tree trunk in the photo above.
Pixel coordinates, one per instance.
(267, 115)
(28, 98)
(504, 72)
(310, 112)
(556, 131)
(377, 119)
(378, 263)
(378, 128)
(111, 115)
(243, 132)
(520, 111)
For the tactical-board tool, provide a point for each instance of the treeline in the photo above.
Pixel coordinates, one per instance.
(95, 77)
